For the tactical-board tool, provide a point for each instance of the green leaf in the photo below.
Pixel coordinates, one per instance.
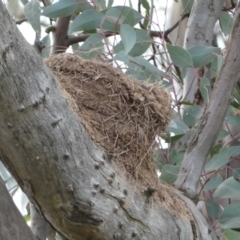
(47, 49)
(192, 114)
(233, 116)
(231, 235)
(216, 149)
(92, 47)
(177, 127)
(176, 157)
(234, 151)
(187, 5)
(129, 18)
(236, 174)
(146, 71)
(230, 216)
(228, 189)
(169, 173)
(143, 41)
(115, 16)
(32, 12)
(121, 56)
(218, 160)
(128, 37)
(65, 8)
(101, 4)
(86, 21)
(204, 83)
(213, 183)
(61, 9)
(172, 139)
(213, 209)
(222, 158)
(24, 2)
(226, 22)
(222, 134)
(110, 3)
(202, 55)
(180, 57)
(145, 4)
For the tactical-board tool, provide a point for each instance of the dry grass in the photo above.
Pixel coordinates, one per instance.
(121, 114)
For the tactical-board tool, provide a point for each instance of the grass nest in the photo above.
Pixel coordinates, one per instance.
(120, 113)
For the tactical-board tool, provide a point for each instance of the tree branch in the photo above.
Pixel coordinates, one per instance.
(204, 138)
(199, 32)
(61, 34)
(12, 226)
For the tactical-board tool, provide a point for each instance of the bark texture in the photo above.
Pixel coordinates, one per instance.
(65, 175)
(200, 30)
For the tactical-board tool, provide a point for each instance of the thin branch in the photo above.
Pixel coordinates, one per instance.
(21, 21)
(61, 34)
(83, 37)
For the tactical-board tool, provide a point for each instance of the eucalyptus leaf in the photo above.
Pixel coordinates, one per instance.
(128, 37)
(192, 114)
(187, 5)
(213, 183)
(145, 70)
(204, 84)
(92, 47)
(169, 173)
(110, 3)
(226, 22)
(230, 217)
(218, 160)
(202, 55)
(177, 127)
(47, 46)
(236, 174)
(24, 2)
(115, 16)
(229, 234)
(145, 4)
(180, 57)
(230, 188)
(222, 134)
(86, 21)
(213, 209)
(143, 41)
(32, 12)
(65, 8)
(233, 116)
(101, 4)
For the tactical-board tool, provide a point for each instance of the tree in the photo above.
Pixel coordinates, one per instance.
(89, 188)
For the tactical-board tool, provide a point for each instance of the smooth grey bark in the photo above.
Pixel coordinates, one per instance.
(200, 31)
(65, 175)
(12, 224)
(39, 226)
(205, 136)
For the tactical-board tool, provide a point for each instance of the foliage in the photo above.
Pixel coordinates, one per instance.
(115, 35)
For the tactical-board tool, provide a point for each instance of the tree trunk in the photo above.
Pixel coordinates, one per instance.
(63, 172)
(12, 224)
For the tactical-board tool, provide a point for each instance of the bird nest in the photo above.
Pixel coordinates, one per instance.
(121, 114)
